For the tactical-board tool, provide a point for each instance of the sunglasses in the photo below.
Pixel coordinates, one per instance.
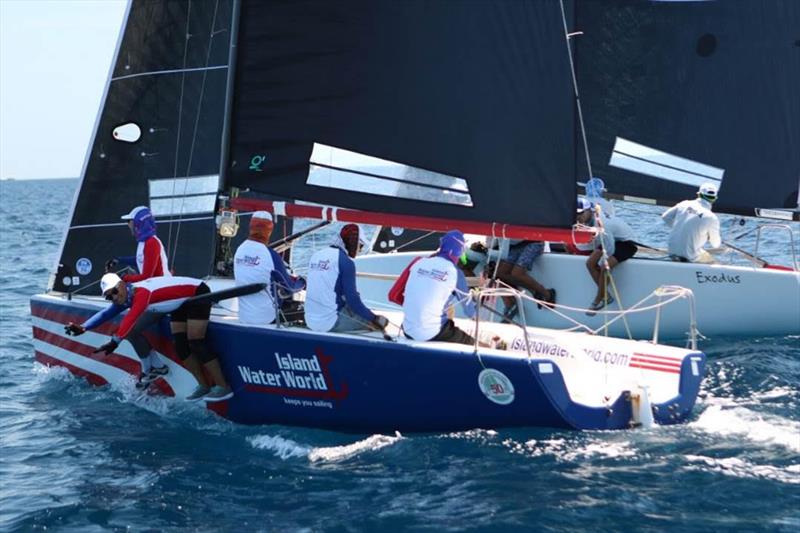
(110, 294)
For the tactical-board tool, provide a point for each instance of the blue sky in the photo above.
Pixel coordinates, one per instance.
(54, 61)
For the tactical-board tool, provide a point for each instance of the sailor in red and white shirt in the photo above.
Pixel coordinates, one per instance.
(151, 257)
(189, 321)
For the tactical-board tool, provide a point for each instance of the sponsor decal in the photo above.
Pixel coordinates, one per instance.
(296, 377)
(397, 231)
(434, 273)
(83, 266)
(320, 265)
(496, 386)
(608, 358)
(249, 260)
(539, 347)
(256, 161)
(702, 278)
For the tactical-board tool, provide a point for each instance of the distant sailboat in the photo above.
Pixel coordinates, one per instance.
(676, 94)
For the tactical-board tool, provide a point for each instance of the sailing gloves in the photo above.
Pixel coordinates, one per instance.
(111, 264)
(108, 347)
(74, 329)
(380, 322)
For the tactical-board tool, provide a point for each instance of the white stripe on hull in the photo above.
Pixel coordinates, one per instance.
(181, 381)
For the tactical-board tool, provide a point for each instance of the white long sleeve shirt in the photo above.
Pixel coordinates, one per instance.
(693, 224)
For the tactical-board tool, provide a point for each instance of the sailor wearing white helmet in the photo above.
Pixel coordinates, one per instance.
(152, 366)
(189, 323)
(693, 224)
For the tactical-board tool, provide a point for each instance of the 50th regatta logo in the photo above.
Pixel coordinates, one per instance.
(300, 377)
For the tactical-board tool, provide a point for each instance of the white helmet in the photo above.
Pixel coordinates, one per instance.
(109, 281)
(708, 191)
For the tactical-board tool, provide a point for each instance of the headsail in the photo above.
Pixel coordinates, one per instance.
(451, 110)
(679, 93)
(157, 140)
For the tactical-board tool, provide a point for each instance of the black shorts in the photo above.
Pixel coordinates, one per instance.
(450, 333)
(194, 310)
(624, 250)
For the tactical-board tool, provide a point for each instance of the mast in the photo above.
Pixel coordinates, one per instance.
(226, 130)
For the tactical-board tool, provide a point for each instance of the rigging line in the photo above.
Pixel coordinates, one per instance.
(575, 87)
(409, 243)
(180, 118)
(196, 124)
(113, 224)
(170, 71)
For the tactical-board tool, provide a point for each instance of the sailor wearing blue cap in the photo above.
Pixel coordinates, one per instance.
(434, 286)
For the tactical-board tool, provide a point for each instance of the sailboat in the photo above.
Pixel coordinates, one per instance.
(462, 114)
(674, 95)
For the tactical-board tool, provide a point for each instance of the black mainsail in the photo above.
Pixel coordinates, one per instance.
(157, 140)
(453, 110)
(679, 93)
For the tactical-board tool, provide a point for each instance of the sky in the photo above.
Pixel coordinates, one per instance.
(54, 61)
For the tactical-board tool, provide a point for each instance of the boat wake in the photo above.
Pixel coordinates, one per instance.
(742, 468)
(289, 449)
(727, 419)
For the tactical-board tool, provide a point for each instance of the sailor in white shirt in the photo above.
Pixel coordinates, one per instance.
(616, 239)
(332, 299)
(693, 224)
(434, 284)
(255, 262)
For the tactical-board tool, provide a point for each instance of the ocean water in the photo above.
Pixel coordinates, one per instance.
(78, 458)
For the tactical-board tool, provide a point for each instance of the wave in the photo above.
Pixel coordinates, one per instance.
(742, 468)
(288, 449)
(724, 419)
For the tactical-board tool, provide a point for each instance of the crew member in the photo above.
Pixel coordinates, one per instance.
(615, 243)
(255, 262)
(150, 258)
(332, 300)
(434, 285)
(150, 261)
(514, 269)
(189, 322)
(693, 224)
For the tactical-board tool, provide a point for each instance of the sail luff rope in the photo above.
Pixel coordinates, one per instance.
(186, 37)
(575, 88)
(194, 132)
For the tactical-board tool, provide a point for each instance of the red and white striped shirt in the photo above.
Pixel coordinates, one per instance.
(162, 294)
(151, 260)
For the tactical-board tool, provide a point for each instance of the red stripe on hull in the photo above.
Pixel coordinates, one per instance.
(659, 364)
(660, 357)
(163, 345)
(119, 361)
(656, 368)
(92, 378)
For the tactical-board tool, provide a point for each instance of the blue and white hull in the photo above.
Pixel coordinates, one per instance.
(363, 383)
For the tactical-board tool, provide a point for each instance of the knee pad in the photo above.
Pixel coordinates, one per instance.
(181, 346)
(200, 350)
